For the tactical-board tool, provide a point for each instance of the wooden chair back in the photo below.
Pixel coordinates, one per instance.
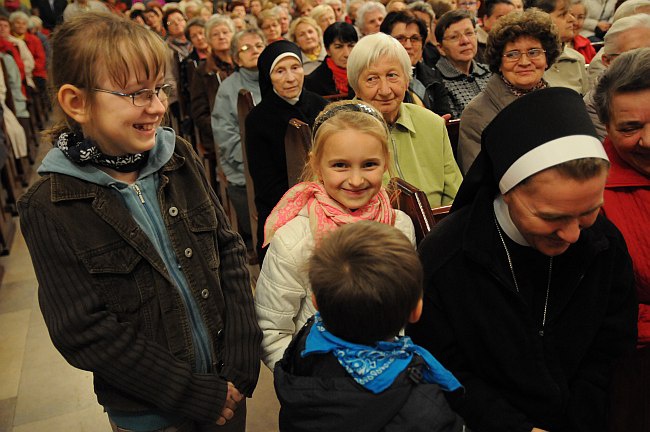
(244, 106)
(23, 167)
(297, 143)
(439, 213)
(415, 204)
(9, 99)
(453, 130)
(336, 97)
(10, 190)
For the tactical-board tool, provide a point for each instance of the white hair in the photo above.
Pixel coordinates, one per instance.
(629, 8)
(371, 48)
(368, 7)
(641, 21)
(216, 20)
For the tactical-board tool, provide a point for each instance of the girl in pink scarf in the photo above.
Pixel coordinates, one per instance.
(347, 163)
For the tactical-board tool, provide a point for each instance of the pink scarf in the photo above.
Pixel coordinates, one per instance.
(325, 214)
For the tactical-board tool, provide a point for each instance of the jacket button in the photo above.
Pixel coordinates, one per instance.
(173, 211)
(188, 252)
(205, 293)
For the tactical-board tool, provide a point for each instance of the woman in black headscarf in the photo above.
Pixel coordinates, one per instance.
(283, 98)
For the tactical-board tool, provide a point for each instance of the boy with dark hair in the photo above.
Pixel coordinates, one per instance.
(348, 369)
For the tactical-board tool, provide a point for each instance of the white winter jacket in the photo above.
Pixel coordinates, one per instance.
(283, 294)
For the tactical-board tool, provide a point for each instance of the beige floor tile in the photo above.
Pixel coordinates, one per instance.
(91, 419)
(264, 407)
(17, 296)
(49, 386)
(18, 264)
(7, 407)
(13, 334)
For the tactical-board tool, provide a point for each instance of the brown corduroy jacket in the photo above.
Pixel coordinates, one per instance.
(111, 306)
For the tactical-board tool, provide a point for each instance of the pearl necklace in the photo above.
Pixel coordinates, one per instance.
(514, 278)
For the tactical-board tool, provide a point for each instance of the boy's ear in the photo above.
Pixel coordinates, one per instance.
(313, 300)
(73, 102)
(416, 313)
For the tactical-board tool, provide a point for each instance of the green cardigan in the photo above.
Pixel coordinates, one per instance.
(421, 154)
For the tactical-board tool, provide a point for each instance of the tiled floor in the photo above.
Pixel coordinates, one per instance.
(39, 391)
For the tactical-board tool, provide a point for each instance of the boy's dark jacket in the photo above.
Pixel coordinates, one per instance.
(317, 394)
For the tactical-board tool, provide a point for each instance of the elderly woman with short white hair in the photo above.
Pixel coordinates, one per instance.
(369, 17)
(379, 70)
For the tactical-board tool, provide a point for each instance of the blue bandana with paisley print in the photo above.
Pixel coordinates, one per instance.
(377, 367)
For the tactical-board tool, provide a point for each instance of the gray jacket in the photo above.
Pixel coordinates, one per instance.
(477, 115)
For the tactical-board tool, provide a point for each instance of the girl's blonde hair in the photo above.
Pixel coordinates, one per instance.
(93, 45)
(340, 116)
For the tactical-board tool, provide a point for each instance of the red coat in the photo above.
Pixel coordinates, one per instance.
(35, 46)
(583, 46)
(627, 205)
(9, 48)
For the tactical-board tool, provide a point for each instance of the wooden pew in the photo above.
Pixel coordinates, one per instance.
(336, 97)
(23, 169)
(10, 189)
(297, 143)
(414, 203)
(453, 130)
(244, 106)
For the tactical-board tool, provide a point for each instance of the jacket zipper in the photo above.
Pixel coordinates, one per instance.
(194, 316)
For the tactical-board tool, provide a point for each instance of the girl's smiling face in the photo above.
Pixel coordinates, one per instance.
(117, 125)
(351, 167)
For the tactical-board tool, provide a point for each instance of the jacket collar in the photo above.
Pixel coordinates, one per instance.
(67, 188)
(404, 119)
(449, 71)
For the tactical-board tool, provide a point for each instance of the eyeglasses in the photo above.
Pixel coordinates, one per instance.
(244, 48)
(455, 38)
(144, 97)
(515, 55)
(415, 39)
(466, 4)
(221, 34)
(176, 22)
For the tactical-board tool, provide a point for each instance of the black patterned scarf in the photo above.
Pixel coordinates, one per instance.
(520, 92)
(82, 150)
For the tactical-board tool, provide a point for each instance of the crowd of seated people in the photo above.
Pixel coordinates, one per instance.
(425, 67)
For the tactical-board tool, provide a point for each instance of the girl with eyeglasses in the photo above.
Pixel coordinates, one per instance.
(141, 279)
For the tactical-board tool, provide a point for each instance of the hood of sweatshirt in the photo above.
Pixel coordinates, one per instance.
(56, 161)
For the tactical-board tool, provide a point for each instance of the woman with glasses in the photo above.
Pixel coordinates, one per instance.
(426, 83)
(520, 47)
(174, 23)
(463, 76)
(246, 47)
(269, 22)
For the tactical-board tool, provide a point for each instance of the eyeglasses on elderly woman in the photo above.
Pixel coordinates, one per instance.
(515, 55)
